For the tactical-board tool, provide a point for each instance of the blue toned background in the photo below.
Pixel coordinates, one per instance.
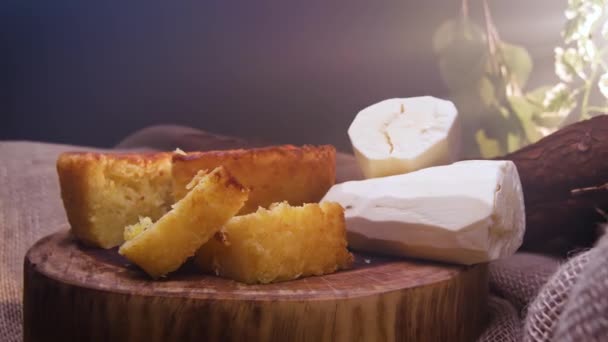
(89, 73)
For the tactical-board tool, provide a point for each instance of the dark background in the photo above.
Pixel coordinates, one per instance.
(89, 73)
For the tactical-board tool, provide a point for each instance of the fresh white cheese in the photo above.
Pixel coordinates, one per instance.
(402, 135)
(467, 212)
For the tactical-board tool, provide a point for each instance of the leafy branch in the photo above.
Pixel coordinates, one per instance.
(487, 78)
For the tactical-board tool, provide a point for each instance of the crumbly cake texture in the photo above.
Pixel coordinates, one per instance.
(104, 192)
(278, 244)
(164, 246)
(296, 175)
(135, 229)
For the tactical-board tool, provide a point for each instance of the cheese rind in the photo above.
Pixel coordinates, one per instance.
(397, 136)
(467, 212)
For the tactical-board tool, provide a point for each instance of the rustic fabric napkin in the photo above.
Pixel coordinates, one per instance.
(534, 297)
(29, 210)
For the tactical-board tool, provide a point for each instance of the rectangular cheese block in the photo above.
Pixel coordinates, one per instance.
(467, 212)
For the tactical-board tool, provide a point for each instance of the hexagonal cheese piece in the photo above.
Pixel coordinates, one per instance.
(402, 135)
(467, 212)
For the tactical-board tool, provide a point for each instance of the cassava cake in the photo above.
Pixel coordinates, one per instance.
(164, 246)
(104, 192)
(296, 175)
(277, 244)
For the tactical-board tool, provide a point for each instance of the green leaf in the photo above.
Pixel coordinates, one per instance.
(488, 147)
(586, 49)
(457, 31)
(462, 67)
(572, 29)
(525, 110)
(487, 94)
(462, 51)
(496, 125)
(518, 62)
(536, 97)
(569, 63)
(470, 110)
(514, 142)
(603, 84)
(474, 101)
(605, 30)
(581, 18)
(557, 103)
(560, 98)
(543, 117)
(498, 84)
(549, 119)
(594, 111)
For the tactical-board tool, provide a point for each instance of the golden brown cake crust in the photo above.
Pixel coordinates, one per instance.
(141, 157)
(278, 244)
(73, 173)
(297, 175)
(99, 189)
(85, 177)
(261, 152)
(166, 244)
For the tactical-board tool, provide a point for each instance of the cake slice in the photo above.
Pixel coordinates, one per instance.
(164, 246)
(103, 192)
(278, 244)
(296, 175)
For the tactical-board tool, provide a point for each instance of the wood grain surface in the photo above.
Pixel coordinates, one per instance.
(75, 293)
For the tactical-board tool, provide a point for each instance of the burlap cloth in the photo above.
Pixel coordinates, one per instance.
(534, 297)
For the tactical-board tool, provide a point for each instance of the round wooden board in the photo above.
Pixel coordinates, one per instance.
(76, 293)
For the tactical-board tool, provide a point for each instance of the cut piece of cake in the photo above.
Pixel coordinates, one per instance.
(103, 192)
(164, 246)
(135, 229)
(277, 244)
(297, 175)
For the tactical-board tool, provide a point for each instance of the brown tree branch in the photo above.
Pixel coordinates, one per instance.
(560, 175)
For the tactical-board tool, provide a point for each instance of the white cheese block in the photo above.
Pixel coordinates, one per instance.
(402, 135)
(467, 212)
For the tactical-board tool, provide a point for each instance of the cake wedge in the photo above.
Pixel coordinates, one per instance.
(288, 173)
(162, 247)
(104, 192)
(278, 244)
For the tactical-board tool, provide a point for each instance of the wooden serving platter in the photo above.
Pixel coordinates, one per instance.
(76, 293)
